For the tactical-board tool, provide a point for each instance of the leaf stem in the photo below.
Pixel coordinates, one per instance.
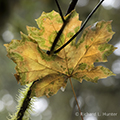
(83, 25)
(75, 98)
(71, 6)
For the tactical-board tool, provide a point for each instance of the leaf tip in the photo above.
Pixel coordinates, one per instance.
(17, 77)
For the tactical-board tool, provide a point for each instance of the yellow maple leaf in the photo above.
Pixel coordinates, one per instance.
(75, 60)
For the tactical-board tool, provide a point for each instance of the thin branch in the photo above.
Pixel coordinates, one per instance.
(83, 25)
(56, 39)
(60, 11)
(58, 35)
(60, 31)
(71, 6)
(76, 98)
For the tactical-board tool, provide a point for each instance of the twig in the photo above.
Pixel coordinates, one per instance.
(83, 25)
(71, 6)
(58, 35)
(75, 98)
(60, 11)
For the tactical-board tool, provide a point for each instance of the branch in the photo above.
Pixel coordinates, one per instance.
(60, 11)
(71, 6)
(58, 35)
(83, 25)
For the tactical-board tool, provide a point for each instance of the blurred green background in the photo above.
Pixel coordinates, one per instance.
(97, 101)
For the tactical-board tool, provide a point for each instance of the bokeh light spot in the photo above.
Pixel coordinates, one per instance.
(39, 105)
(90, 100)
(80, 102)
(109, 4)
(117, 51)
(116, 66)
(90, 117)
(7, 99)
(7, 36)
(82, 3)
(108, 82)
(1, 106)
